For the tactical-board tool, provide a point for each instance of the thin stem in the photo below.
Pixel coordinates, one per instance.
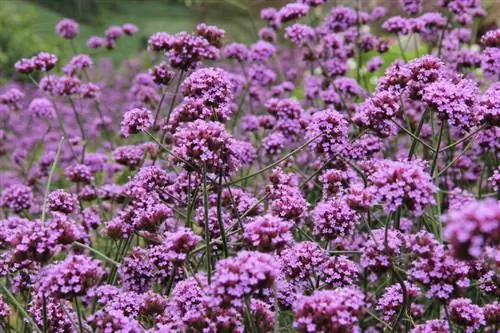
(80, 125)
(168, 151)
(401, 48)
(163, 94)
(79, 312)
(208, 248)
(219, 218)
(44, 311)
(455, 159)
(463, 139)
(20, 308)
(172, 103)
(100, 254)
(49, 180)
(413, 135)
(250, 317)
(436, 154)
(405, 300)
(272, 165)
(171, 278)
(417, 135)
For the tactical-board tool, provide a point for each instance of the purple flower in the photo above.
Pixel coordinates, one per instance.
(178, 244)
(161, 74)
(374, 64)
(241, 276)
(67, 28)
(114, 321)
(333, 219)
(432, 326)
(185, 51)
(89, 90)
(412, 7)
(58, 313)
(42, 108)
(398, 25)
(213, 34)
(17, 198)
(377, 252)
(79, 173)
(376, 112)
(159, 41)
(210, 85)
(45, 61)
(12, 97)
(72, 277)
(136, 121)
(455, 100)
(395, 184)
(329, 311)
(61, 201)
(268, 233)
(340, 19)
(292, 11)
(95, 42)
(67, 86)
(466, 314)
(114, 32)
(490, 62)
(77, 64)
(440, 273)
(236, 51)
(299, 34)
(130, 156)
(302, 260)
(25, 65)
(262, 51)
(267, 34)
(472, 226)
(205, 146)
(129, 29)
(4, 309)
(330, 130)
(389, 304)
(137, 272)
(339, 272)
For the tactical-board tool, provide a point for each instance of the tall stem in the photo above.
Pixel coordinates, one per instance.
(49, 180)
(79, 312)
(82, 130)
(436, 154)
(208, 248)
(19, 308)
(220, 219)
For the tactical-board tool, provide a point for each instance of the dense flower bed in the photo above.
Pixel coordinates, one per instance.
(296, 184)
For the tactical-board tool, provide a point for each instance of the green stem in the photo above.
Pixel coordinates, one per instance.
(100, 254)
(272, 165)
(79, 312)
(208, 248)
(415, 137)
(20, 308)
(455, 159)
(436, 151)
(219, 218)
(82, 130)
(463, 139)
(416, 134)
(49, 180)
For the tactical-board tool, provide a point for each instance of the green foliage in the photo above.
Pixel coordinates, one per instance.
(81, 10)
(19, 38)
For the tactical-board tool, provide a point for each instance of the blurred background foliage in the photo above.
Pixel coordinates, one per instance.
(27, 26)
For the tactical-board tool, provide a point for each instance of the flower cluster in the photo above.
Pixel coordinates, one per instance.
(337, 174)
